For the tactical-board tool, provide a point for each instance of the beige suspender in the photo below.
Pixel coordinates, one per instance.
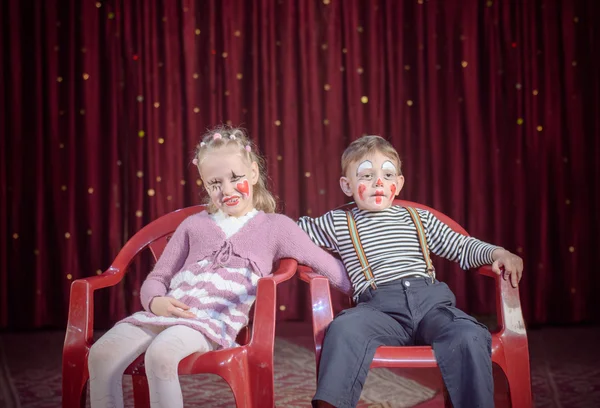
(422, 241)
(360, 252)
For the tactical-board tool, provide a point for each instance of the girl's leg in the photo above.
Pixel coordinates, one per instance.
(108, 359)
(162, 360)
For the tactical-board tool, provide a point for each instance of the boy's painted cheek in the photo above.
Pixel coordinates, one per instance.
(243, 188)
(361, 191)
(393, 188)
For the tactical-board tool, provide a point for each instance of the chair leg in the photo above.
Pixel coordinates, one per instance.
(519, 385)
(141, 392)
(515, 364)
(74, 388)
(241, 392)
(238, 379)
(447, 402)
(262, 388)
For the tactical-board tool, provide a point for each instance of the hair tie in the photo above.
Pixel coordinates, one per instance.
(195, 161)
(202, 144)
(217, 136)
(232, 137)
(248, 148)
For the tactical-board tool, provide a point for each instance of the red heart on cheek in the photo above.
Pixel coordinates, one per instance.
(243, 187)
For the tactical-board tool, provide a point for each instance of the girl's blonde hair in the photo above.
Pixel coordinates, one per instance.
(231, 136)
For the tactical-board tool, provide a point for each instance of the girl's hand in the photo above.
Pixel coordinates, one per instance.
(510, 264)
(170, 307)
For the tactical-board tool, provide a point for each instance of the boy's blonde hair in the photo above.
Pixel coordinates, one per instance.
(366, 145)
(232, 136)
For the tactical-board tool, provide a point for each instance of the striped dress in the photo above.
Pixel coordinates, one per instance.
(213, 264)
(390, 242)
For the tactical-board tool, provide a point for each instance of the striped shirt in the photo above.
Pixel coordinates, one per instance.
(390, 242)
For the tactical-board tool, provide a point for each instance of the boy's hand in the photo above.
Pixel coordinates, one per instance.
(510, 264)
(170, 307)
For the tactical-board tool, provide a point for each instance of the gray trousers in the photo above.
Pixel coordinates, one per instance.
(407, 312)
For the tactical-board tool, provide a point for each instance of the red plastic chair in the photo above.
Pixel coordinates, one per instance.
(248, 369)
(509, 342)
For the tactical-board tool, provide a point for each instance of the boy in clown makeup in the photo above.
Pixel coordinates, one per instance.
(398, 300)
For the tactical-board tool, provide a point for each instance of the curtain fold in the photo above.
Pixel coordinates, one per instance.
(492, 105)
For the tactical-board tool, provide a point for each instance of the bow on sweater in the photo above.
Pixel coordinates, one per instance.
(223, 255)
(226, 258)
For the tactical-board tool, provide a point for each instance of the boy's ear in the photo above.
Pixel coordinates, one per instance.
(254, 174)
(345, 186)
(400, 181)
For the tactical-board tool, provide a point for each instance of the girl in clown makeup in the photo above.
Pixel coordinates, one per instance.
(399, 301)
(201, 290)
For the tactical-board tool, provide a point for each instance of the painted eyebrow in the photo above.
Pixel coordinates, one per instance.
(366, 164)
(388, 165)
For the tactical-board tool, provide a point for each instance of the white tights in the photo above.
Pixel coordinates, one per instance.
(121, 345)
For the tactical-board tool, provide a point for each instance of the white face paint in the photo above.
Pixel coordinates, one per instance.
(388, 165)
(364, 165)
(373, 181)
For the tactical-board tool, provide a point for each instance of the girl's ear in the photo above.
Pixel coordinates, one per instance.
(255, 173)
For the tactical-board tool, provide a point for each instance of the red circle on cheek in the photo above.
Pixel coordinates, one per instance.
(361, 191)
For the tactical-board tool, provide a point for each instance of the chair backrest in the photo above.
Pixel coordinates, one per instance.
(155, 235)
(441, 216)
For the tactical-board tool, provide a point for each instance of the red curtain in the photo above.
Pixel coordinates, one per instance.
(493, 106)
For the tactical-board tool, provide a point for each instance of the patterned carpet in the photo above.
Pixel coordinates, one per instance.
(565, 371)
(8, 393)
(565, 367)
(34, 364)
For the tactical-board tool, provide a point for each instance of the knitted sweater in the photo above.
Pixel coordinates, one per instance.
(217, 275)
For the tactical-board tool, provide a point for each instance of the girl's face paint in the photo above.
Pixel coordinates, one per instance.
(229, 181)
(243, 187)
(361, 191)
(379, 182)
(378, 200)
(393, 189)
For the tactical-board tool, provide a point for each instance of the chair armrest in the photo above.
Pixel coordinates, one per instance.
(306, 274)
(263, 326)
(486, 270)
(322, 309)
(508, 304)
(285, 271)
(80, 323)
